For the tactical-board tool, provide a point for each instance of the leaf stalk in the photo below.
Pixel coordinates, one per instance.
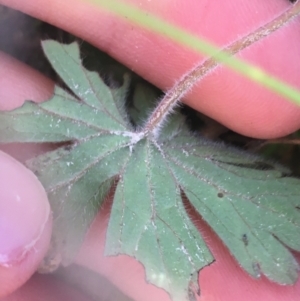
(184, 85)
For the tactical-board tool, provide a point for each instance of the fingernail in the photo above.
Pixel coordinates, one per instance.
(24, 210)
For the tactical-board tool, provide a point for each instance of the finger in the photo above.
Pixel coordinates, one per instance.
(19, 83)
(223, 280)
(46, 288)
(25, 224)
(234, 101)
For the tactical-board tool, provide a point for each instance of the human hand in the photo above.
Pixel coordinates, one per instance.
(222, 95)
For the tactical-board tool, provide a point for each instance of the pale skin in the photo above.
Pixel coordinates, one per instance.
(224, 96)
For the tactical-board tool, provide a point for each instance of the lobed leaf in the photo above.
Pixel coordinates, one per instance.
(253, 205)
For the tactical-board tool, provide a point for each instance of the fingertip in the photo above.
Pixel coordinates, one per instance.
(25, 224)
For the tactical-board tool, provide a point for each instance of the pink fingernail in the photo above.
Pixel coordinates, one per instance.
(24, 210)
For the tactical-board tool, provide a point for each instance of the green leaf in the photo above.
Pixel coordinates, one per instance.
(148, 222)
(251, 204)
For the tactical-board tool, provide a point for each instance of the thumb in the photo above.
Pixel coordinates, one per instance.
(25, 224)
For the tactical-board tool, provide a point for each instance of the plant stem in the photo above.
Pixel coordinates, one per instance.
(175, 94)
